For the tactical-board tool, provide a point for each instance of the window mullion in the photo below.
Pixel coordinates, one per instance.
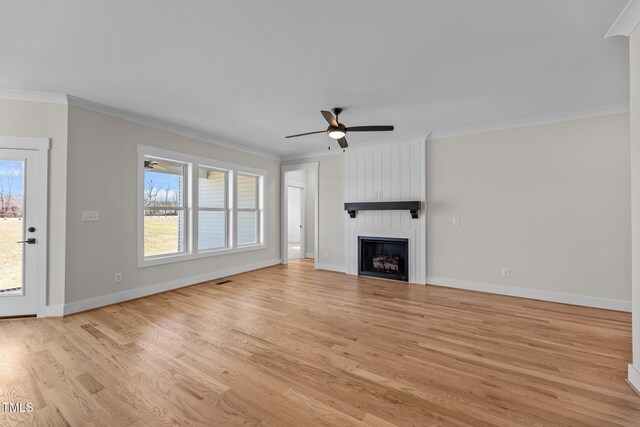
(195, 203)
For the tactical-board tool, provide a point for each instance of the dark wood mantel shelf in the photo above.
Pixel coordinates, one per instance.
(412, 206)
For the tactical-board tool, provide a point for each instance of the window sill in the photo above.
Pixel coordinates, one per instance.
(169, 259)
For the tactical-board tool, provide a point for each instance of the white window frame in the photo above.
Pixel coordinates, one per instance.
(258, 209)
(228, 174)
(193, 163)
(184, 208)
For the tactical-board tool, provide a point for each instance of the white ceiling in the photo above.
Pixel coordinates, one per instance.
(251, 72)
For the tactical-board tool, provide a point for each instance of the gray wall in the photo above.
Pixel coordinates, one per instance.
(102, 176)
(550, 202)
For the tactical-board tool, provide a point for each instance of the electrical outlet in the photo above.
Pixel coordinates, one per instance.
(90, 216)
(455, 222)
(506, 273)
(326, 254)
(118, 278)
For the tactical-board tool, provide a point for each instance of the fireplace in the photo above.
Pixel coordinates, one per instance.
(383, 257)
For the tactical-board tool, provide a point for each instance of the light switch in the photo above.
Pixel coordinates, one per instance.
(456, 222)
(90, 216)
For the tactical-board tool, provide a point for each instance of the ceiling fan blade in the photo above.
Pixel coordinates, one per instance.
(303, 134)
(330, 118)
(369, 128)
(343, 142)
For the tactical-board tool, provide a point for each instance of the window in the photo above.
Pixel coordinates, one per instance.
(164, 207)
(248, 209)
(213, 211)
(193, 207)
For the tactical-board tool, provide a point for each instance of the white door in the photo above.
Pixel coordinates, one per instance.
(18, 232)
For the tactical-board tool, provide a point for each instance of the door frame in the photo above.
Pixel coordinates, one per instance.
(303, 217)
(284, 203)
(42, 146)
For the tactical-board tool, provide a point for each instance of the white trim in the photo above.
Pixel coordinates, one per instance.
(169, 259)
(633, 375)
(192, 158)
(88, 304)
(331, 267)
(284, 199)
(486, 127)
(534, 121)
(597, 302)
(41, 145)
(632, 9)
(33, 96)
(309, 255)
(54, 311)
(627, 21)
(190, 196)
(311, 154)
(24, 143)
(164, 125)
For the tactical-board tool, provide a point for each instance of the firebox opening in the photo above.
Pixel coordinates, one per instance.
(383, 257)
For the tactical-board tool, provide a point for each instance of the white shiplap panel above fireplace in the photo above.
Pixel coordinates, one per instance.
(388, 171)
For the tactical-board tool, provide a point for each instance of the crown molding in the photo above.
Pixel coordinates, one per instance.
(33, 96)
(55, 98)
(319, 153)
(164, 125)
(627, 21)
(534, 121)
(424, 135)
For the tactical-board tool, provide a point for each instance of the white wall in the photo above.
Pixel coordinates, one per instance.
(389, 171)
(634, 49)
(550, 202)
(331, 231)
(310, 196)
(294, 214)
(46, 120)
(102, 177)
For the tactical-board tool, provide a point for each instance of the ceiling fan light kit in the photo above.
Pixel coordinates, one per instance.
(337, 134)
(338, 131)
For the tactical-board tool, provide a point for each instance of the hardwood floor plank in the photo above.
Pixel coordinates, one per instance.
(290, 345)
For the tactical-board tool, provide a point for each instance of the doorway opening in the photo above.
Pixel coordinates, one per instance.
(299, 230)
(296, 222)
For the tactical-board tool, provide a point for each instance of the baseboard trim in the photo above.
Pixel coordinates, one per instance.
(330, 267)
(633, 378)
(89, 304)
(596, 302)
(310, 255)
(54, 310)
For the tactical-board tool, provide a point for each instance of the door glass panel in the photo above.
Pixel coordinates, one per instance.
(11, 227)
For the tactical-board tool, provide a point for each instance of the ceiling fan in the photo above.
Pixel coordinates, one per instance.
(338, 131)
(153, 165)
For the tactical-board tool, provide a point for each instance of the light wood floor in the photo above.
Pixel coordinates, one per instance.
(289, 345)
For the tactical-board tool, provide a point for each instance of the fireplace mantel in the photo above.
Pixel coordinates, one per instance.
(412, 206)
(390, 179)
